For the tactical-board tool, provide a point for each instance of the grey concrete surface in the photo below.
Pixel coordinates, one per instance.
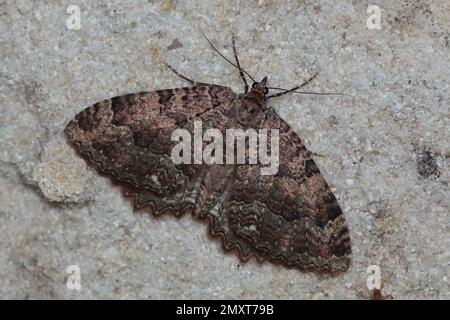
(385, 152)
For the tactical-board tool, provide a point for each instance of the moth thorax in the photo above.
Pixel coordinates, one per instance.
(250, 111)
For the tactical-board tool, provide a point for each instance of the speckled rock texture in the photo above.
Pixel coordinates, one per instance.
(385, 152)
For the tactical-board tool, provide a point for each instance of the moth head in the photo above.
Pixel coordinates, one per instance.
(260, 87)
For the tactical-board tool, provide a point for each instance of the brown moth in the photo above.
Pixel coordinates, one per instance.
(291, 218)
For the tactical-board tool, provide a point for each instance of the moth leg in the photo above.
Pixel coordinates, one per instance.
(315, 154)
(294, 88)
(179, 74)
(233, 41)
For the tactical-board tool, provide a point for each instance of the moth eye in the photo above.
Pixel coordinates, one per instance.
(266, 91)
(253, 84)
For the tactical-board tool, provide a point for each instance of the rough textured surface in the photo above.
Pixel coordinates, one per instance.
(55, 212)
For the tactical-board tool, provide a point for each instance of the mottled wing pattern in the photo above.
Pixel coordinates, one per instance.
(128, 138)
(291, 218)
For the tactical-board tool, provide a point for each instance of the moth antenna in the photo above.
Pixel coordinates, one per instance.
(214, 48)
(306, 92)
(233, 42)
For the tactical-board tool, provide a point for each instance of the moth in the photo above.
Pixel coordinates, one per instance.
(291, 218)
